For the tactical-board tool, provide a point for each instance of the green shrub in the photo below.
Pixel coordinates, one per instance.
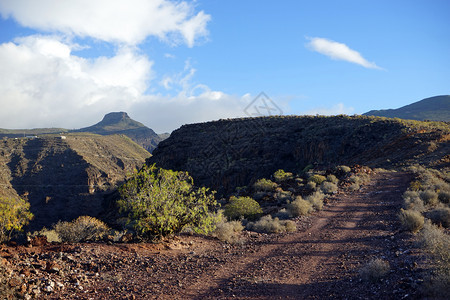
(411, 220)
(281, 176)
(268, 225)
(429, 197)
(299, 207)
(316, 200)
(344, 169)
(440, 216)
(161, 202)
(266, 185)
(14, 215)
(242, 207)
(318, 179)
(374, 270)
(82, 229)
(329, 187)
(333, 179)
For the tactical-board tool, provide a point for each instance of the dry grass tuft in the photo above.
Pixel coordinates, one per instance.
(374, 270)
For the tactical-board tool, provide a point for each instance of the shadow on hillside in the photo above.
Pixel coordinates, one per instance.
(54, 179)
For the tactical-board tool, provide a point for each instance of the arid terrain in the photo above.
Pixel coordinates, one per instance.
(320, 260)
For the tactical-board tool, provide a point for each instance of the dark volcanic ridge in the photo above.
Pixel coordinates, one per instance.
(233, 153)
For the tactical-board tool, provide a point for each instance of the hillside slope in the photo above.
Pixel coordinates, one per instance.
(227, 154)
(433, 109)
(65, 178)
(121, 123)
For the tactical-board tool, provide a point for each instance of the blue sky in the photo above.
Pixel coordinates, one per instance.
(169, 63)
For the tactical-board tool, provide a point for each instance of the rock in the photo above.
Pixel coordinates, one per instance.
(15, 282)
(38, 241)
(48, 289)
(52, 267)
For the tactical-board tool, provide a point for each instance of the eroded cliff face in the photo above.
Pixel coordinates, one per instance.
(65, 178)
(226, 154)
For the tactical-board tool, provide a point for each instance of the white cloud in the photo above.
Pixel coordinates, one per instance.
(337, 109)
(339, 51)
(45, 85)
(119, 21)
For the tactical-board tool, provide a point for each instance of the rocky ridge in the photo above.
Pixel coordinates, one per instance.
(226, 154)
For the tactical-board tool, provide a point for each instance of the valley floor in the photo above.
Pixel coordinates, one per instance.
(319, 261)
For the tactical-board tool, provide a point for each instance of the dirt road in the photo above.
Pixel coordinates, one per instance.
(320, 262)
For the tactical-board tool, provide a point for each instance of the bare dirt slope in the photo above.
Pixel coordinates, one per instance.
(321, 260)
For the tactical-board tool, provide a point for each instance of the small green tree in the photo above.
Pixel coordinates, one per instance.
(14, 215)
(161, 202)
(242, 207)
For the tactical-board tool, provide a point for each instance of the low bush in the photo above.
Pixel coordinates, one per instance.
(316, 200)
(374, 270)
(329, 187)
(333, 179)
(50, 234)
(311, 185)
(354, 187)
(429, 197)
(444, 197)
(269, 225)
(266, 185)
(82, 229)
(318, 179)
(283, 214)
(281, 176)
(440, 216)
(437, 244)
(283, 196)
(242, 207)
(299, 207)
(411, 220)
(227, 231)
(343, 169)
(412, 201)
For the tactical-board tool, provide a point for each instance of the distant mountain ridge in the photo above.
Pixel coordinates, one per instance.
(121, 123)
(112, 123)
(434, 109)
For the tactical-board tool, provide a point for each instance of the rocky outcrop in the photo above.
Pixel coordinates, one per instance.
(121, 123)
(226, 154)
(65, 178)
